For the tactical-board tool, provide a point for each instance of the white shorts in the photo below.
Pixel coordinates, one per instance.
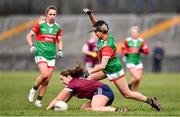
(131, 65)
(41, 59)
(115, 76)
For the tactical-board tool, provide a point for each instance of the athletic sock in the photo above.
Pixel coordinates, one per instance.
(35, 87)
(148, 100)
(39, 98)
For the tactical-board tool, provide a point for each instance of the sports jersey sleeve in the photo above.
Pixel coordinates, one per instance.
(85, 47)
(107, 51)
(59, 33)
(145, 48)
(35, 30)
(72, 86)
(123, 48)
(68, 88)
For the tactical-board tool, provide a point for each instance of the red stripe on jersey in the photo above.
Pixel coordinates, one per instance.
(107, 51)
(36, 29)
(51, 67)
(132, 50)
(59, 33)
(139, 68)
(48, 35)
(123, 48)
(145, 48)
(113, 80)
(46, 38)
(41, 62)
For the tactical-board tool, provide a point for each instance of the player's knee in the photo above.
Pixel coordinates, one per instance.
(44, 75)
(138, 78)
(127, 94)
(45, 83)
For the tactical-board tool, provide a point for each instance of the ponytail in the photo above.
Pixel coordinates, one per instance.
(75, 73)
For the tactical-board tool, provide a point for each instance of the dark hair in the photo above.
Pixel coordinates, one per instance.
(101, 26)
(75, 73)
(49, 8)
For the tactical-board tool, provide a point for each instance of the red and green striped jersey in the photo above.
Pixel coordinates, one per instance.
(46, 39)
(108, 48)
(132, 48)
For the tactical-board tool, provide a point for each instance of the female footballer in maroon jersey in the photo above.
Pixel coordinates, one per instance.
(90, 50)
(48, 36)
(99, 94)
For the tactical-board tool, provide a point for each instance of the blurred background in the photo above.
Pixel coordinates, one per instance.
(159, 21)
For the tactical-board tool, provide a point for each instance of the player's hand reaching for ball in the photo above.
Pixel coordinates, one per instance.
(87, 11)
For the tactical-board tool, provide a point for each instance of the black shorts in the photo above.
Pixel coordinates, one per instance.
(106, 90)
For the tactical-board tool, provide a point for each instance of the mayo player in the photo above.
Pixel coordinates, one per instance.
(110, 65)
(131, 51)
(48, 39)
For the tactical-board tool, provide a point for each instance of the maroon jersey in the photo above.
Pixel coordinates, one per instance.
(83, 88)
(91, 45)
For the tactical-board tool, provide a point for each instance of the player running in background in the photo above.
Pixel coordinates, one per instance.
(131, 51)
(90, 51)
(110, 65)
(99, 94)
(48, 37)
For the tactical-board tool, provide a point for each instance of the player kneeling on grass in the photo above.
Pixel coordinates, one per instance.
(99, 94)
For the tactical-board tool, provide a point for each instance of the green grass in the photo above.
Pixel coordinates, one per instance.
(14, 88)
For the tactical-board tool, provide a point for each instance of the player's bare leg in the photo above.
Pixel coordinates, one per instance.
(44, 73)
(138, 79)
(135, 78)
(122, 86)
(98, 103)
(44, 84)
(97, 76)
(86, 106)
(40, 79)
(43, 87)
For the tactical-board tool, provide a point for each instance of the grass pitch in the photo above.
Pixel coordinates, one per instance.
(14, 89)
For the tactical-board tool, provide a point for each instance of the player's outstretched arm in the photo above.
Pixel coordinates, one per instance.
(62, 96)
(91, 15)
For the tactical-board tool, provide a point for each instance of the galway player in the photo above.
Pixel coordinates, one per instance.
(99, 94)
(90, 51)
(131, 51)
(48, 37)
(110, 65)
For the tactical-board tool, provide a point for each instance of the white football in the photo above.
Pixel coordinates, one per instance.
(61, 106)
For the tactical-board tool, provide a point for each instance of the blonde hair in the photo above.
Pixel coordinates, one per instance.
(135, 28)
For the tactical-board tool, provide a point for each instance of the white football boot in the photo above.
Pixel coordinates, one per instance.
(32, 93)
(38, 103)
